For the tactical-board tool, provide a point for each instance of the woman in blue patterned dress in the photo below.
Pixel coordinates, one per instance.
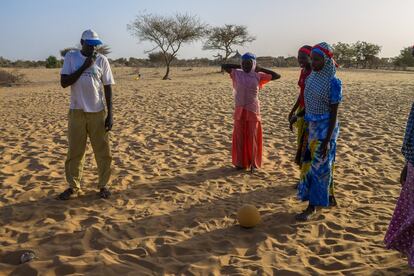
(323, 94)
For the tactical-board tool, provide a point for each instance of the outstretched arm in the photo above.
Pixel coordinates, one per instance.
(274, 75)
(229, 67)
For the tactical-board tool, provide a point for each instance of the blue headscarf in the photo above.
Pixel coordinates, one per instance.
(248, 55)
(252, 57)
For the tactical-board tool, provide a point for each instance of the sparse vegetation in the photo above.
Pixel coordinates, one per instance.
(10, 78)
(167, 33)
(53, 62)
(225, 38)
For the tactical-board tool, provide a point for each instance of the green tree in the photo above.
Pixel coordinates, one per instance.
(405, 59)
(344, 54)
(366, 53)
(52, 62)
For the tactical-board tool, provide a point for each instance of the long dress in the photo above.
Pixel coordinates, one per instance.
(316, 183)
(400, 233)
(301, 124)
(247, 145)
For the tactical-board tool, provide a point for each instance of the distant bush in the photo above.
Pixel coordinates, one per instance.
(4, 62)
(9, 78)
(21, 63)
(53, 62)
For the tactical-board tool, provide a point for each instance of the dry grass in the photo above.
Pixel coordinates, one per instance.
(10, 78)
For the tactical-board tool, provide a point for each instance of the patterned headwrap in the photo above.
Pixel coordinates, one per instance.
(306, 49)
(320, 80)
(252, 57)
(325, 50)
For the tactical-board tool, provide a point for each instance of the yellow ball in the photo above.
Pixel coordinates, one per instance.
(248, 216)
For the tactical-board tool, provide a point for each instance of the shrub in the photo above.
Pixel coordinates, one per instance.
(9, 78)
(52, 62)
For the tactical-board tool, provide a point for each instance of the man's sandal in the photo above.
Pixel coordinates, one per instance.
(67, 194)
(104, 193)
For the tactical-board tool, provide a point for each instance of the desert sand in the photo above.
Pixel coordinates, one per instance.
(176, 194)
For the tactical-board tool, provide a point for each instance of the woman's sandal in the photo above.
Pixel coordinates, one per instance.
(332, 201)
(306, 214)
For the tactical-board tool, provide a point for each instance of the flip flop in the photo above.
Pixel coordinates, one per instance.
(104, 193)
(332, 201)
(306, 215)
(67, 194)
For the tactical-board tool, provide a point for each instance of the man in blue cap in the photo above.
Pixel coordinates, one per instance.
(86, 72)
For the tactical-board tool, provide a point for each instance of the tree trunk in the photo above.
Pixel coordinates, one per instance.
(167, 72)
(223, 61)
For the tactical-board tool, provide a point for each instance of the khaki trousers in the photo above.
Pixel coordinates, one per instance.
(81, 125)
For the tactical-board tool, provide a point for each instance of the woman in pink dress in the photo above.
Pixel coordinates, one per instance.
(247, 79)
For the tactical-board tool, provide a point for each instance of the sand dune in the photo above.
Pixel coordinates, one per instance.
(175, 193)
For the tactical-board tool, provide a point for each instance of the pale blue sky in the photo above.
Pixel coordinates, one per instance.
(33, 29)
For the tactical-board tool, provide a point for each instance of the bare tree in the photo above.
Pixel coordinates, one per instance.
(225, 38)
(168, 33)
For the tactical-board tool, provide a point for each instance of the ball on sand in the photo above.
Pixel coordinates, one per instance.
(248, 216)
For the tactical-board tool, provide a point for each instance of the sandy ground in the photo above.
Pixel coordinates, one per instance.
(175, 191)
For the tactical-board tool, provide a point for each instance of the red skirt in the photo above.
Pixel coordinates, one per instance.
(247, 139)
